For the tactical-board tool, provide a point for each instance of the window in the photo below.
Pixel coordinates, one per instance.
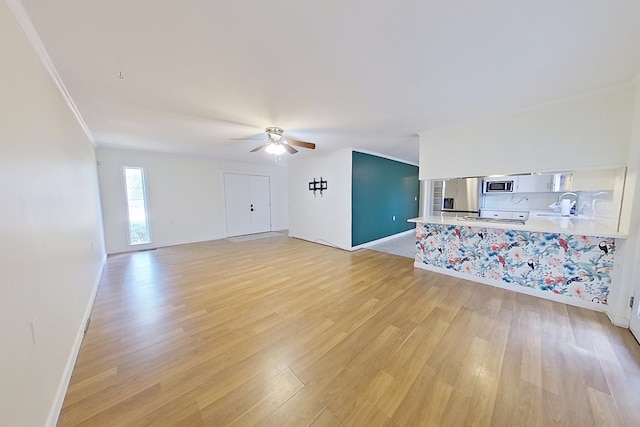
(136, 206)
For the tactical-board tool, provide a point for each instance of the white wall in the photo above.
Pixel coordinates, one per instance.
(51, 245)
(588, 132)
(322, 219)
(627, 270)
(185, 196)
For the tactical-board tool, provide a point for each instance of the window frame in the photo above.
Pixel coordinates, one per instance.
(145, 199)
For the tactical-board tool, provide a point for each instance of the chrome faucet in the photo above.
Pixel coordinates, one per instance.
(568, 194)
(575, 201)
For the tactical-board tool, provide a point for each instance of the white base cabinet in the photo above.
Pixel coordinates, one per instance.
(499, 214)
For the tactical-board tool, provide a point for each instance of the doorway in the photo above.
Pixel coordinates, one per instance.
(247, 204)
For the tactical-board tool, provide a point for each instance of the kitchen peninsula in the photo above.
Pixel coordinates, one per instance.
(564, 259)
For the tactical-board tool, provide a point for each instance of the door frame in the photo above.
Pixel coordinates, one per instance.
(634, 316)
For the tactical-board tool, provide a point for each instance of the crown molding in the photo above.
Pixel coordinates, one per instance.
(34, 38)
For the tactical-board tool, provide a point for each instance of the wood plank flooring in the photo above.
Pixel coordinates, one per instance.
(283, 332)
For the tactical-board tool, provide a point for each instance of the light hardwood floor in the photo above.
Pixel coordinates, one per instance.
(283, 332)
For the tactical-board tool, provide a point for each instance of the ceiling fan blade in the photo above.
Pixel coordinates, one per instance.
(290, 149)
(302, 144)
(249, 138)
(258, 148)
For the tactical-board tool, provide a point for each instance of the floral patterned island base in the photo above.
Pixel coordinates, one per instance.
(564, 264)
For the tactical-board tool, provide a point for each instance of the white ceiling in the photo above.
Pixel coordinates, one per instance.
(367, 74)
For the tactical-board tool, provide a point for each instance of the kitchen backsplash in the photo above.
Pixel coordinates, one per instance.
(597, 204)
(518, 201)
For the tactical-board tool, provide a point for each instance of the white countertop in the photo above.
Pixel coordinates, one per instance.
(578, 226)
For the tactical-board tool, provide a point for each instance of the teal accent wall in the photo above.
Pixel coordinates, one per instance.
(381, 188)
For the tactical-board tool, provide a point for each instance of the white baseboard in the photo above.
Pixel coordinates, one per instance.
(56, 407)
(620, 321)
(529, 291)
(383, 239)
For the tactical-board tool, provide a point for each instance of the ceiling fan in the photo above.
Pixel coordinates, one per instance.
(277, 144)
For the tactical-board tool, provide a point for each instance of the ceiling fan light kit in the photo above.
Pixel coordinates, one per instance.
(277, 144)
(275, 148)
(274, 133)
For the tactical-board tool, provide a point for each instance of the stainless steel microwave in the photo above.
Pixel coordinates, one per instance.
(505, 186)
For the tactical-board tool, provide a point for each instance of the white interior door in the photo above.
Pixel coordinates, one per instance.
(260, 201)
(237, 210)
(247, 204)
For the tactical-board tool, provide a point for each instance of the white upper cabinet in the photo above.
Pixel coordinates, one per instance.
(544, 183)
(535, 184)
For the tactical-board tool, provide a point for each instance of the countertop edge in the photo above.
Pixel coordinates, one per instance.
(555, 225)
